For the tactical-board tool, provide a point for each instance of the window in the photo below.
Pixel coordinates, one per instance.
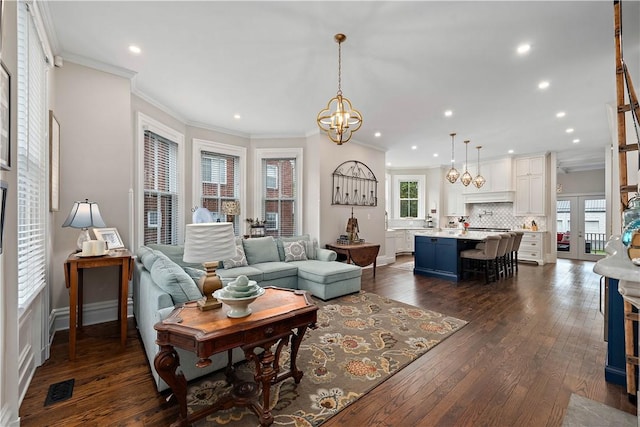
(160, 189)
(271, 220)
(409, 193)
(409, 199)
(279, 179)
(272, 177)
(218, 167)
(32, 158)
(214, 169)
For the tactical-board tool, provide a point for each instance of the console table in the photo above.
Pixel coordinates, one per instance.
(280, 317)
(73, 275)
(360, 254)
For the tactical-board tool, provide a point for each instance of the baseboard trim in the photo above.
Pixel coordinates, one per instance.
(384, 260)
(93, 313)
(8, 419)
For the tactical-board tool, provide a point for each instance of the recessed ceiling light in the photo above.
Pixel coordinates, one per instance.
(575, 141)
(435, 154)
(414, 147)
(569, 130)
(377, 134)
(236, 116)
(524, 48)
(560, 114)
(448, 113)
(134, 49)
(510, 151)
(543, 84)
(388, 163)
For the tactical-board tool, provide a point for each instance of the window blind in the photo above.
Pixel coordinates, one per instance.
(160, 190)
(279, 195)
(32, 159)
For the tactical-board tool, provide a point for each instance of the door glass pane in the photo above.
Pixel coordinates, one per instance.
(594, 226)
(563, 215)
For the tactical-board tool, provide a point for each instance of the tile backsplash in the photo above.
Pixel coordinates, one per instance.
(498, 215)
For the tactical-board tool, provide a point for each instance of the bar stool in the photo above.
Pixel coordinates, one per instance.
(515, 248)
(508, 264)
(482, 260)
(505, 242)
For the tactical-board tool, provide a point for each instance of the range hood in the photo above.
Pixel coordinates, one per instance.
(490, 197)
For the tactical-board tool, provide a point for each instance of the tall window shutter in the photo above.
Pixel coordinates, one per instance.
(32, 159)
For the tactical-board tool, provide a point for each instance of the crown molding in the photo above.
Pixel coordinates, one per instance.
(98, 65)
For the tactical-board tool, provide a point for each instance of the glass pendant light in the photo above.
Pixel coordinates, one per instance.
(466, 176)
(453, 174)
(479, 180)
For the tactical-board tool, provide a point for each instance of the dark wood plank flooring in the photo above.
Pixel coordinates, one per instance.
(532, 340)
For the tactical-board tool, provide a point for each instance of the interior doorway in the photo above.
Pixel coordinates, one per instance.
(581, 227)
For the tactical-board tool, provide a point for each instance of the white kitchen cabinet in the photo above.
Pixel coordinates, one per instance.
(530, 186)
(401, 242)
(532, 247)
(405, 239)
(454, 199)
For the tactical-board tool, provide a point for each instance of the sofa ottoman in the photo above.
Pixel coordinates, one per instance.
(327, 280)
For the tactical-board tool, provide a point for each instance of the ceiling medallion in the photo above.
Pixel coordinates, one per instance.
(339, 120)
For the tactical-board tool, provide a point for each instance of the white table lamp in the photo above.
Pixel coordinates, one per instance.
(209, 243)
(84, 215)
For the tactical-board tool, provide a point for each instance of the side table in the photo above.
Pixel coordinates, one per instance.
(360, 254)
(280, 318)
(73, 275)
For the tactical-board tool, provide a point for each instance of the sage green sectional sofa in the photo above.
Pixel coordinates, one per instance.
(161, 280)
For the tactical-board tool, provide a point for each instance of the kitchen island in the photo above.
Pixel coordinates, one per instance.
(438, 254)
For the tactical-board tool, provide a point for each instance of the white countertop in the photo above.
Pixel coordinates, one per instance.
(617, 265)
(457, 234)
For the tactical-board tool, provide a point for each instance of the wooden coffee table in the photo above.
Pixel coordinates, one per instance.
(280, 317)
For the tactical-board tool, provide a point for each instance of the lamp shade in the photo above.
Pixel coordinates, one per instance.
(207, 242)
(231, 207)
(84, 215)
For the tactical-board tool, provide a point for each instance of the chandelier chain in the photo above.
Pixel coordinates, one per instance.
(339, 68)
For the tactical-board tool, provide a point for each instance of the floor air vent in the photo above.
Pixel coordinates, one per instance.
(59, 392)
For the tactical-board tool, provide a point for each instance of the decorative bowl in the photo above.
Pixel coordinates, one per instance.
(238, 306)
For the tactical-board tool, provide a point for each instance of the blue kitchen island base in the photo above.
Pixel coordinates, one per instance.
(439, 257)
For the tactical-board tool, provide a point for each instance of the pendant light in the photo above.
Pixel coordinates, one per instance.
(453, 174)
(339, 120)
(466, 176)
(479, 180)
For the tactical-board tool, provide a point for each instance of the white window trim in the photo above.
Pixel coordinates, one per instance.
(200, 145)
(146, 123)
(278, 153)
(422, 194)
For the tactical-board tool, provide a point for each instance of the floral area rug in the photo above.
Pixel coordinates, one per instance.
(360, 341)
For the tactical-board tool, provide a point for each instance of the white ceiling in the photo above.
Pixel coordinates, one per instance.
(404, 64)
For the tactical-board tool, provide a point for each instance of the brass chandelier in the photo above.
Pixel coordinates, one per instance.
(479, 180)
(466, 176)
(453, 174)
(339, 120)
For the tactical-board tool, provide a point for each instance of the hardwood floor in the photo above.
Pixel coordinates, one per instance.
(531, 341)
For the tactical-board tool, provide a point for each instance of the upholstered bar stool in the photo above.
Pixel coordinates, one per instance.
(505, 240)
(508, 265)
(514, 250)
(482, 260)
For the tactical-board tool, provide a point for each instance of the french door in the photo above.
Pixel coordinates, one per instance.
(581, 227)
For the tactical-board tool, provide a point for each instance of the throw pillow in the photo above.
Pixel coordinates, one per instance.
(194, 273)
(294, 251)
(240, 260)
(280, 243)
(261, 249)
(172, 279)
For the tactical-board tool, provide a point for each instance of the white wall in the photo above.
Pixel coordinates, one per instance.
(584, 182)
(96, 162)
(333, 218)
